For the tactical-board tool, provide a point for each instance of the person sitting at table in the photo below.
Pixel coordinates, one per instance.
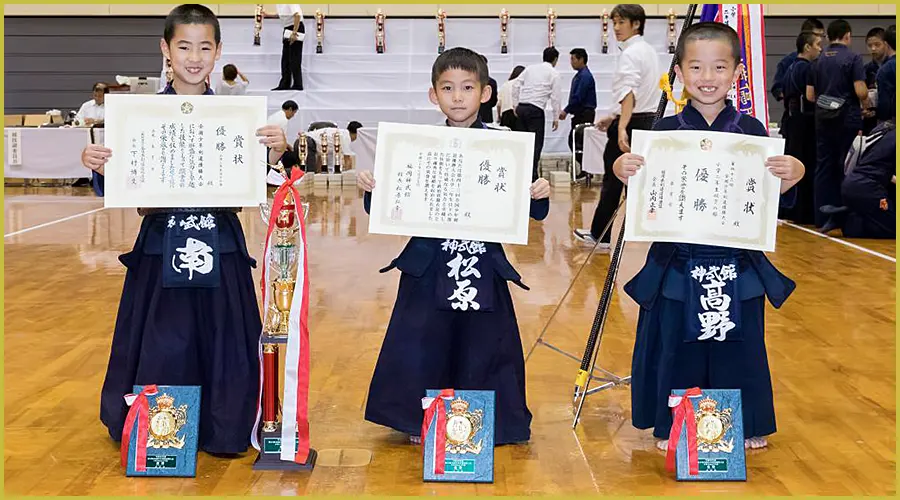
(92, 111)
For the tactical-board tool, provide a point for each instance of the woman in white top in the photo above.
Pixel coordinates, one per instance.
(230, 85)
(505, 102)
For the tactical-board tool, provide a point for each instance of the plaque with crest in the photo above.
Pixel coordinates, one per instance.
(459, 445)
(718, 437)
(170, 420)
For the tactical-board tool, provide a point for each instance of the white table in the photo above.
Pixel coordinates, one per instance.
(48, 153)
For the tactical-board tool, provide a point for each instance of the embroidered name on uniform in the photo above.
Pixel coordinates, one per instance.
(715, 321)
(193, 222)
(196, 255)
(463, 270)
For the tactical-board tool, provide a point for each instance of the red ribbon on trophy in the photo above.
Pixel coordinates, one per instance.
(434, 407)
(683, 413)
(295, 409)
(140, 413)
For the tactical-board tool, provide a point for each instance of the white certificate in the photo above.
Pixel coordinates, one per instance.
(450, 182)
(184, 151)
(709, 188)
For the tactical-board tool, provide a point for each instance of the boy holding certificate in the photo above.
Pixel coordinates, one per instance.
(205, 331)
(437, 337)
(673, 347)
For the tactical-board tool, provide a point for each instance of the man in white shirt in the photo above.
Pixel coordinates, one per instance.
(283, 117)
(92, 112)
(635, 90)
(292, 47)
(531, 91)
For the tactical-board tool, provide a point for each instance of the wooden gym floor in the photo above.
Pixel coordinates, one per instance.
(831, 351)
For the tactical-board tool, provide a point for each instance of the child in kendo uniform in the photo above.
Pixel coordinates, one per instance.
(671, 349)
(203, 331)
(435, 340)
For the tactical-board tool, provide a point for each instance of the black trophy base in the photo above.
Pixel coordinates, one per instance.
(604, 50)
(318, 49)
(256, 42)
(504, 50)
(440, 49)
(270, 456)
(379, 50)
(671, 50)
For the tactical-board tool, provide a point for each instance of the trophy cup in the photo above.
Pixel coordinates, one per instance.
(671, 17)
(337, 152)
(379, 32)
(551, 27)
(257, 24)
(441, 15)
(283, 262)
(504, 26)
(605, 48)
(324, 146)
(320, 30)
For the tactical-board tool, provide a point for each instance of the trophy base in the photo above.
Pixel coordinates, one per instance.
(269, 457)
(671, 50)
(318, 49)
(504, 50)
(268, 338)
(604, 50)
(379, 50)
(256, 42)
(440, 49)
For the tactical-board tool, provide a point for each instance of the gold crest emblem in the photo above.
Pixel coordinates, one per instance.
(712, 425)
(462, 426)
(187, 108)
(705, 144)
(165, 422)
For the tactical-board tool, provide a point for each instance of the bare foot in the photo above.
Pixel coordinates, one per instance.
(756, 443)
(662, 444)
(415, 440)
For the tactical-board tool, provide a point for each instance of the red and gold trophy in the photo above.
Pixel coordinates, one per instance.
(441, 15)
(504, 30)
(551, 27)
(379, 32)
(337, 152)
(257, 24)
(605, 48)
(671, 17)
(320, 30)
(283, 442)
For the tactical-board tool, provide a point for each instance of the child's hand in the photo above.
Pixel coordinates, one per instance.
(786, 168)
(627, 165)
(95, 157)
(540, 189)
(272, 137)
(365, 181)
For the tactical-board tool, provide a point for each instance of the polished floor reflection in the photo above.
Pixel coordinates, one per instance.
(831, 348)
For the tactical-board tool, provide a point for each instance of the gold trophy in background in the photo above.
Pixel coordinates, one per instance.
(320, 30)
(379, 32)
(324, 147)
(671, 17)
(605, 48)
(257, 24)
(504, 31)
(441, 15)
(337, 152)
(551, 27)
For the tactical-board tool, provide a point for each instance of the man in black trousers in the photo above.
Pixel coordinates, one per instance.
(536, 85)
(292, 46)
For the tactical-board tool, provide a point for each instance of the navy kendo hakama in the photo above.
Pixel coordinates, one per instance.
(180, 326)
(438, 338)
(868, 192)
(670, 351)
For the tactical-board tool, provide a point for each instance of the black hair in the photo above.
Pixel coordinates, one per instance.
(100, 85)
(890, 36)
(631, 12)
(463, 59)
(806, 38)
(579, 53)
(516, 72)
(812, 24)
(191, 13)
(353, 126)
(229, 72)
(876, 32)
(709, 31)
(551, 54)
(838, 29)
(290, 105)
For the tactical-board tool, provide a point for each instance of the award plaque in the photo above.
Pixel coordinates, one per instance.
(504, 31)
(551, 28)
(707, 435)
(458, 436)
(379, 32)
(257, 24)
(605, 47)
(441, 15)
(671, 18)
(320, 30)
(161, 430)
